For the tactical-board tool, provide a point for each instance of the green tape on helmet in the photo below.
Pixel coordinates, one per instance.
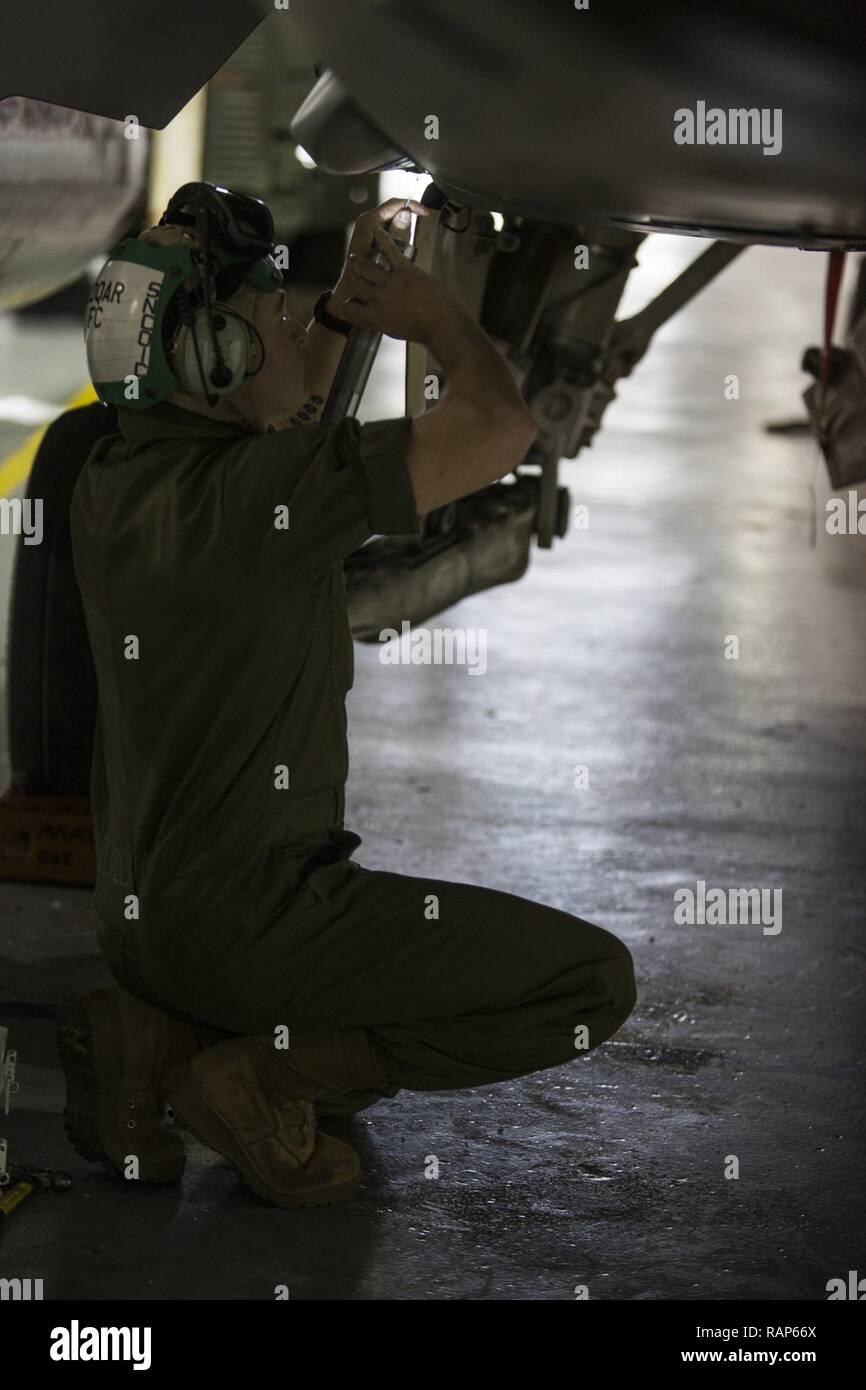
(123, 326)
(125, 320)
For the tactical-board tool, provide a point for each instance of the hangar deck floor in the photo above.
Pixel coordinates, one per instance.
(747, 772)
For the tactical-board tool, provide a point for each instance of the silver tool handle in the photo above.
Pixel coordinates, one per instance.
(356, 363)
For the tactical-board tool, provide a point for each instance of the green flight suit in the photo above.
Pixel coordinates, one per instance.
(210, 566)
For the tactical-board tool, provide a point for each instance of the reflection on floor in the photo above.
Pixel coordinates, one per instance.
(741, 773)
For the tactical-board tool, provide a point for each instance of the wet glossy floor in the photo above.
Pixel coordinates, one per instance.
(746, 1044)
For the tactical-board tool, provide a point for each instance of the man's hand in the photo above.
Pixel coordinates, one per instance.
(398, 217)
(393, 213)
(403, 301)
(481, 429)
(324, 348)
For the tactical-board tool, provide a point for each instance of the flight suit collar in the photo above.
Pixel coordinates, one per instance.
(167, 421)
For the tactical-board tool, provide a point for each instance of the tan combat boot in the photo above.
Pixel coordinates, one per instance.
(115, 1051)
(253, 1103)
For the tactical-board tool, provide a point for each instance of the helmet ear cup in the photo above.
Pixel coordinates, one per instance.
(195, 345)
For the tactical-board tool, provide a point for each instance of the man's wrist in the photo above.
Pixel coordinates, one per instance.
(339, 296)
(326, 311)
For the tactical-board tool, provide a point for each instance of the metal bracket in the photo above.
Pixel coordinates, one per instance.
(573, 333)
(594, 351)
(455, 245)
(631, 337)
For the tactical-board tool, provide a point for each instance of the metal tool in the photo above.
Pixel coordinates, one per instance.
(19, 1182)
(26, 1181)
(359, 354)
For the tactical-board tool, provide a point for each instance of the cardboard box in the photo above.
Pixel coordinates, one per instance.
(46, 839)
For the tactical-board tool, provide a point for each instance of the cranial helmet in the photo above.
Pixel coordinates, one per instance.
(158, 318)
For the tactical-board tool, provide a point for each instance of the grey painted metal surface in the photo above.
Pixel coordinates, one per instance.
(113, 59)
(68, 182)
(553, 112)
(543, 109)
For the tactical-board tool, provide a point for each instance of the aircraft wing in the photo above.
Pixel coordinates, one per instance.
(118, 58)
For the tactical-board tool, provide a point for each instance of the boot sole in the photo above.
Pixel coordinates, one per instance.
(194, 1111)
(76, 1026)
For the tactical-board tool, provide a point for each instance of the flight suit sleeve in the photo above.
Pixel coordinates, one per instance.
(297, 500)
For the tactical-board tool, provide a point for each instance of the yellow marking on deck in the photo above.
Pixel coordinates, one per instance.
(15, 469)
